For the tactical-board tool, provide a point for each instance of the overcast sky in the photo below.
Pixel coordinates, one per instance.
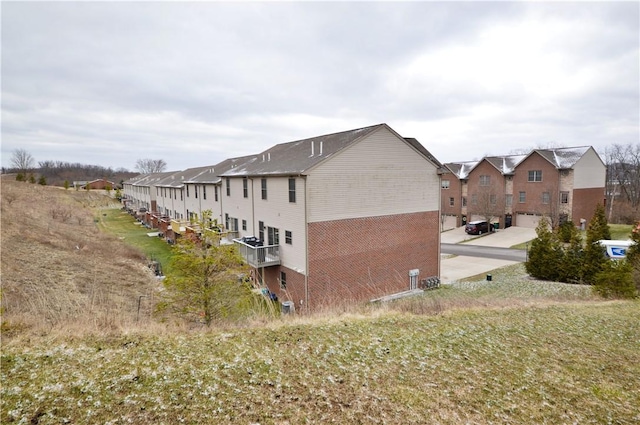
(195, 83)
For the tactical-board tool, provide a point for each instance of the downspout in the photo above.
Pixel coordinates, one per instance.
(253, 211)
(260, 271)
(306, 251)
(439, 258)
(220, 198)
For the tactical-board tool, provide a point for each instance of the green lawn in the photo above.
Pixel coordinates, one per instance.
(123, 225)
(620, 231)
(564, 363)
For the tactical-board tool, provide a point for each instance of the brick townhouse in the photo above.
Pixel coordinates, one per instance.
(561, 184)
(343, 217)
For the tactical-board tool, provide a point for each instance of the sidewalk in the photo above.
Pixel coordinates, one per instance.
(460, 267)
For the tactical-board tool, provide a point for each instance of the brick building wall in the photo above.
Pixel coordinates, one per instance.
(453, 191)
(363, 258)
(534, 190)
(495, 188)
(294, 290)
(584, 203)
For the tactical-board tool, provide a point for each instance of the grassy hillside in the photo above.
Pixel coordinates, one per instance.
(513, 350)
(569, 363)
(58, 269)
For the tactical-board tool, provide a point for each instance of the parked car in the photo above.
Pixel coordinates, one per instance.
(477, 227)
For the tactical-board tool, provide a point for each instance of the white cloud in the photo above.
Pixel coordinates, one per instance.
(195, 83)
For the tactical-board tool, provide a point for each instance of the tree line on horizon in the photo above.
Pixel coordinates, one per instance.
(62, 173)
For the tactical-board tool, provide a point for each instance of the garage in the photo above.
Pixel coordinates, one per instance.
(449, 222)
(527, 220)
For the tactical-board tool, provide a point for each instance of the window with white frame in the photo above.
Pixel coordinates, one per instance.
(508, 199)
(564, 197)
(288, 237)
(245, 188)
(292, 190)
(445, 184)
(522, 197)
(545, 197)
(452, 201)
(535, 176)
(485, 180)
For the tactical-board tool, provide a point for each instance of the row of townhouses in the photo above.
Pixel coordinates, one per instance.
(561, 184)
(343, 217)
(357, 215)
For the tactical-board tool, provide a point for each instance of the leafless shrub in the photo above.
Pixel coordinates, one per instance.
(9, 197)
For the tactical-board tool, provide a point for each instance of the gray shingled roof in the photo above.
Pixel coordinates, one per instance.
(298, 157)
(178, 178)
(505, 164)
(148, 179)
(418, 146)
(212, 174)
(563, 158)
(461, 169)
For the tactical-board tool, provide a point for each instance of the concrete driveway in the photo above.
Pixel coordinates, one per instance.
(460, 267)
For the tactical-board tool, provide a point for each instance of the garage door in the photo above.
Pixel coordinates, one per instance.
(449, 222)
(527, 220)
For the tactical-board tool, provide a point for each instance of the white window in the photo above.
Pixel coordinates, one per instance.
(535, 175)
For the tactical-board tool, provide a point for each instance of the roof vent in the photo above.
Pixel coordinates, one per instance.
(312, 145)
(269, 156)
(262, 157)
(320, 148)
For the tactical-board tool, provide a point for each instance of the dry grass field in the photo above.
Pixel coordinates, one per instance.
(510, 351)
(58, 270)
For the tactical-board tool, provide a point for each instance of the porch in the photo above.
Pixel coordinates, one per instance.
(256, 254)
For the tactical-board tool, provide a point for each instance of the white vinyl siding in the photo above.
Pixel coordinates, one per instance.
(283, 215)
(380, 175)
(237, 206)
(589, 171)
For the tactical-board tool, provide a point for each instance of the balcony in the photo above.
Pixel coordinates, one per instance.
(258, 256)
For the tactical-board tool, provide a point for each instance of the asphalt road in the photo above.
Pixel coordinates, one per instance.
(484, 251)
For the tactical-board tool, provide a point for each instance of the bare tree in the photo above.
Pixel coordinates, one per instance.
(623, 176)
(22, 160)
(487, 203)
(147, 165)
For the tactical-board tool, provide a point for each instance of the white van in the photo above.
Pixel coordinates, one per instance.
(616, 250)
